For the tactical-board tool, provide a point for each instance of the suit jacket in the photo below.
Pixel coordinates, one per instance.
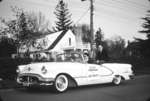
(102, 55)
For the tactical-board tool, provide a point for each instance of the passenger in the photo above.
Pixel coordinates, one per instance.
(101, 55)
(50, 57)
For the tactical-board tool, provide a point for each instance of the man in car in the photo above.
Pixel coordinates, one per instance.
(101, 55)
(92, 56)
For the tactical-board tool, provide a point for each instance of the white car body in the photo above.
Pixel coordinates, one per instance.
(82, 73)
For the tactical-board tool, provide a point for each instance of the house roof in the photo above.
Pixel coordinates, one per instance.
(57, 40)
(54, 39)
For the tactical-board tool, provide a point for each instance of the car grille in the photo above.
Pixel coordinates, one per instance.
(28, 79)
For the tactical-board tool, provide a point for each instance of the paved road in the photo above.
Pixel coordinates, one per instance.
(134, 90)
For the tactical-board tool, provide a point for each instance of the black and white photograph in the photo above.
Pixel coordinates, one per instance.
(74, 50)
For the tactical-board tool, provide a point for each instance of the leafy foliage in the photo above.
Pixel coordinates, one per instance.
(37, 22)
(63, 16)
(115, 47)
(86, 37)
(7, 46)
(144, 44)
(84, 31)
(25, 28)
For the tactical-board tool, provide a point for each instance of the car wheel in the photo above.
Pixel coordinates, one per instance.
(117, 80)
(61, 83)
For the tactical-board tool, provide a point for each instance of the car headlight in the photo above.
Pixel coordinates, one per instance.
(17, 70)
(43, 70)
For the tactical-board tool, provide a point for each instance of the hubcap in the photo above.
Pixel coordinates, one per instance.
(61, 83)
(117, 80)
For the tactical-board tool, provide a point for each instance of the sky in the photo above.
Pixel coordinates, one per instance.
(114, 17)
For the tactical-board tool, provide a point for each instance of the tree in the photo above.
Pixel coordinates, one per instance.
(63, 16)
(7, 47)
(82, 31)
(86, 35)
(22, 33)
(146, 25)
(115, 47)
(37, 22)
(144, 44)
(25, 28)
(99, 37)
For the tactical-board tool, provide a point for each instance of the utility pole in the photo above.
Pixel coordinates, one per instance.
(91, 22)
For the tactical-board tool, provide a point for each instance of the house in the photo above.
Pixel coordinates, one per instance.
(55, 42)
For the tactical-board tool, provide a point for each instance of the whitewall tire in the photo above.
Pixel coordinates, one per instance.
(61, 83)
(117, 80)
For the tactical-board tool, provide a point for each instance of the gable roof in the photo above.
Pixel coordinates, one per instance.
(57, 40)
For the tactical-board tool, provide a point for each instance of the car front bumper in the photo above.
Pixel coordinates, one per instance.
(34, 80)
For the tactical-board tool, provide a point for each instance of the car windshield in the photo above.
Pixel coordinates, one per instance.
(69, 57)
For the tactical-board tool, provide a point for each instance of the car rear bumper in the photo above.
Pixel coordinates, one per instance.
(132, 76)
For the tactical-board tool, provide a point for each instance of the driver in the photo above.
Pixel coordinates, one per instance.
(86, 57)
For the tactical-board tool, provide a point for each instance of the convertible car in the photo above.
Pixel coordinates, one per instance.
(71, 70)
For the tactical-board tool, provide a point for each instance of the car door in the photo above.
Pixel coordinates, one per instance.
(92, 73)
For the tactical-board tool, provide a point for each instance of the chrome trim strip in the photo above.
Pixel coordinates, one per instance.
(36, 75)
(81, 77)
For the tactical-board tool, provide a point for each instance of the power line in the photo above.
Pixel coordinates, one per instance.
(123, 16)
(116, 13)
(125, 6)
(108, 16)
(82, 15)
(130, 4)
(138, 4)
(104, 3)
(120, 12)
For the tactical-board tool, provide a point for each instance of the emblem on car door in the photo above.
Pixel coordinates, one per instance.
(29, 69)
(92, 68)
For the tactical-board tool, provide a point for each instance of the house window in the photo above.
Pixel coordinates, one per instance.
(69, 41)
